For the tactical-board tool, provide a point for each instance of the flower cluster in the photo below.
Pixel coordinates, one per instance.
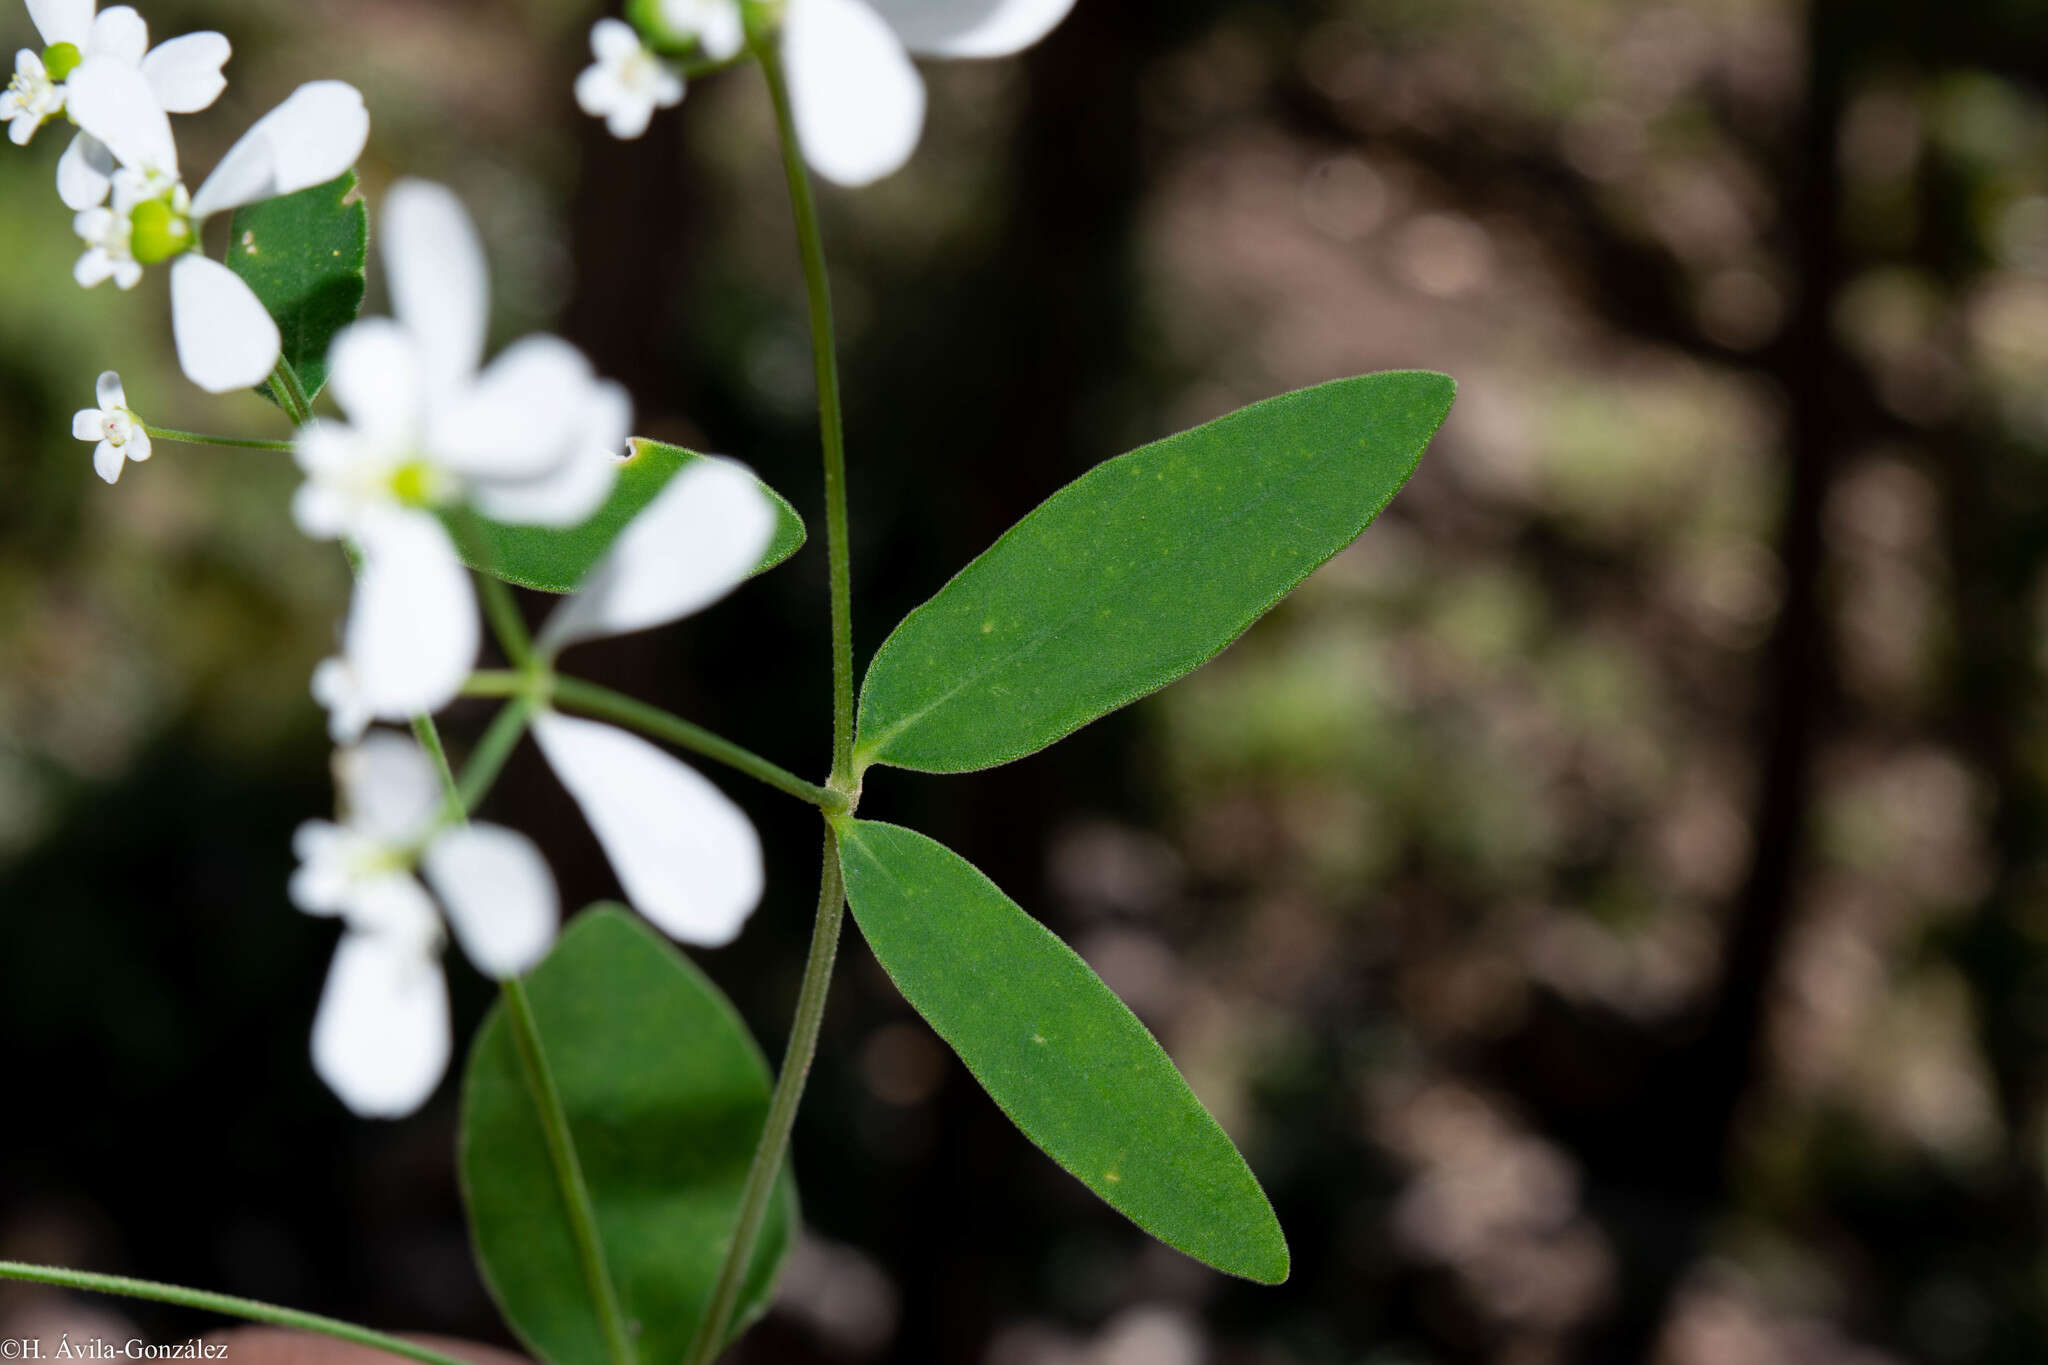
(858, 101)
(433, 441)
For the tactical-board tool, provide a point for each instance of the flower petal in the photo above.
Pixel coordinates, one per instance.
(381, 1036)
(226, 340)
(62, 21)
(114, 103)
(389, 788)
(107, 461)
(107, 388)
(88, 424)
(688, 858)
(692, 545)
(120, 34)
(859, 103)
(85, 173)
(186, 71)
(499, 895)
(374, 373)
(315, 135)
(972, 28)
(335, 688)
(568, 497)
(412, 634)
(519, 420)
(440, 287)
(139, 447)
(246, 174)
(613, 41)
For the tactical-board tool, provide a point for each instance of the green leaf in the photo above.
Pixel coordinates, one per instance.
(1052, 1045)
(558, 560)
(1141, 570)
(666, 1094)
(303, 254)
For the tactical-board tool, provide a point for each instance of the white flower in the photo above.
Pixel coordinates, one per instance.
(628, 82)
(183, 74)
(858, 101)
(226, 340)
(687, 857)
(114, 425)
(717, 25)
(381, 1038)
(32, 97)
(532, 438)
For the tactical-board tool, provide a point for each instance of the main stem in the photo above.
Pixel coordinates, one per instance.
(831, 424)
(782, 1107)
(810, 1008)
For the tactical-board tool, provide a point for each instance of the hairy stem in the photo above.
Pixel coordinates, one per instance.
(194, 438)
(227, 1305)
(606, 704)
(782, 1107)
(540, 1083)
(290, 393)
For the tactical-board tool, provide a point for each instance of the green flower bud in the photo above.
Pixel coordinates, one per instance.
(61, 59)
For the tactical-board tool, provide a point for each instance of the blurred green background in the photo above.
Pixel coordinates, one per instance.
(1609, 904)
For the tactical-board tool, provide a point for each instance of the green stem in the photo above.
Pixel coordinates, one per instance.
(488, 758)
(194, 438)
(540, 1081)
(290, 393)
(831, 423)
(506, 622)
(782, 1107)
(227, 1305)
(429, 735)
(606, 704)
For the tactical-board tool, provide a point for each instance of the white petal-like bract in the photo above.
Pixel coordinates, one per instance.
(972, 28)
(62, 21)
(499, 895)
(413, 633)
(118, 32)
(696, 542)
(185, 72)
(390, 790)
(315, 135)
(440, 287)
(858, 101)
(226, 338)
(112, 101)
(687, 857)
(85, 173)
(571, 494)
(520, 419)
(381, 1036)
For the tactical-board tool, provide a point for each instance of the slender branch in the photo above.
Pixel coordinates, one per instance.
(429, 735)
(606, 704)
(782, 1107)
(506, 622)
(582, 1215)
(228, 1305)
(488, 758)
(498, 682)
(194, 438)
(831, 423)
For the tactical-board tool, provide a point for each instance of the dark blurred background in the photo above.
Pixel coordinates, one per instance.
(1609, 905)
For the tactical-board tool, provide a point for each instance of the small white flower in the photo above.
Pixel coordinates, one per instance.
(184, 76)
(381, 1037)
(717, 25)
(226, 339)
(686, 856)
(859, 103)
(114, 425)
(530, 438)
(627, 83)
(31, 98)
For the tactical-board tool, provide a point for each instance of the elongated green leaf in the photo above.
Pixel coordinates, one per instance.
(558, 561)
(1066, 1060)
(666, 1094)
(303, 254)
(1140, 571)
